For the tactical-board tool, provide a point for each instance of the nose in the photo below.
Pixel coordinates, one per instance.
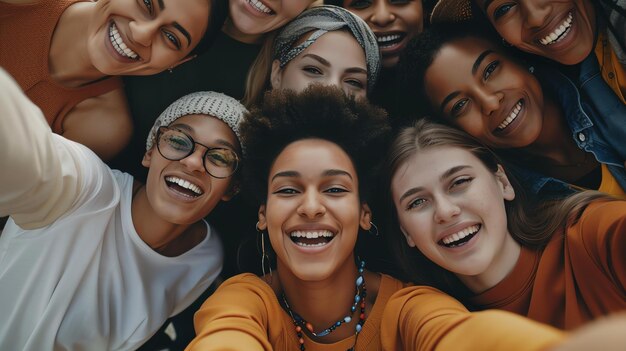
(311, 206)
(382, 14)
(535, 12)
(142, 32)
(489, 101)
(195, 161)
(445, 209)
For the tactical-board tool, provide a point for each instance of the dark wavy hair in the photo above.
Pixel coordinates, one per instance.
(324, 112)
(531, 223)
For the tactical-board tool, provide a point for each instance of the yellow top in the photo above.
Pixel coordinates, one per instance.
(612, 70)
(244, 314)
(609, 185)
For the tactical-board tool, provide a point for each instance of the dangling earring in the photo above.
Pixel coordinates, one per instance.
(375, 232)
(264, 256)
(171, 70)
(531, 69)
(506, 43)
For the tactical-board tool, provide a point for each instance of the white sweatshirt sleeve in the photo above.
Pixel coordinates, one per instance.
(39, 177)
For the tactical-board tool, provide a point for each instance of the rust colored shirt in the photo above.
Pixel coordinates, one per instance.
(579, 276)
(25, 37)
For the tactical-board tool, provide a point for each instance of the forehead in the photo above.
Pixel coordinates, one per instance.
(339, 44)
(205, 129)
(427, 165)
(312, 157)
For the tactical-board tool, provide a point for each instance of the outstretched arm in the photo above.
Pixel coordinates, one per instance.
(38, 178)
(423, 318)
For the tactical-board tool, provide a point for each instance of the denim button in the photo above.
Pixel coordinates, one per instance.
(581, 136)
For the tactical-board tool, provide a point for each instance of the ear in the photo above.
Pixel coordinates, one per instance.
(505, 185)
(262, 225)
(185, 59)
(409, 240)
(366, 217)
(233, 189)
(276, 74)
(147, 158)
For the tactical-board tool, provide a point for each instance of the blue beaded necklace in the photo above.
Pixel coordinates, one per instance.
(359, 301)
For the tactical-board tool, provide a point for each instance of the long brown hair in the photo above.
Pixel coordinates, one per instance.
(531, 223)
(258, 79)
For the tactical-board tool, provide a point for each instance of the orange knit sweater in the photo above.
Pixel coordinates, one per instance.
(25, 38)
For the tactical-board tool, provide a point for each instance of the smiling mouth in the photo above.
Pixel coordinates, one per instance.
(389, 40)
(260, 7)
(311, 238)
(559, 33)
(119, 45)
(183, 187)
(512, 116)
(460, 238)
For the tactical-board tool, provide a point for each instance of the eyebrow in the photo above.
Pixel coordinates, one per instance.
(327, 173)
(479, 60)
(182, 30)
(443, 176)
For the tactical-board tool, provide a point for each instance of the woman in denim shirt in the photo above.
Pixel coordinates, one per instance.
(557, 139)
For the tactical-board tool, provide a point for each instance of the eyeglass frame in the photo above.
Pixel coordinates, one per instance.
(208, 148)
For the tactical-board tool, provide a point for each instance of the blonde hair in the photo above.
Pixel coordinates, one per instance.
(531, 223)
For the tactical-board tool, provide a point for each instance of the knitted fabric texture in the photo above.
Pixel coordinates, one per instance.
(218, 105)
(321, 20)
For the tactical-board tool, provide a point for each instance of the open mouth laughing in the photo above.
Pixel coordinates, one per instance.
(316, 238)
(119, 45)
(460, 238)
(387, 40)
(559, 33)
(183, 187)
(512, 116)
(260, 7)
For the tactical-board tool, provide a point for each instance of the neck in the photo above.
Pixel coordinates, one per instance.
(68, 60)
(499, 268)
(166, 238)
(323, 303)
(231, 30)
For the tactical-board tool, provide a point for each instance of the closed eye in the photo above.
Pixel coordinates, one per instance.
(459, 182)
(360, 4)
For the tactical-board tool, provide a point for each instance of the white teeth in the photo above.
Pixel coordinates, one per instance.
(119, 44)
(386, 38)
(312, 235)
(512, 116)
(559, 33)
(185, 184)
(452, 238)
(259, 6)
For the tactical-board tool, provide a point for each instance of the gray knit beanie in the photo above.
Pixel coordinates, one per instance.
(321, 20)
(217, 105)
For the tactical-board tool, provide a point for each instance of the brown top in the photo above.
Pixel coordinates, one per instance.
(579, 276)
(244, 314)
(25, 37)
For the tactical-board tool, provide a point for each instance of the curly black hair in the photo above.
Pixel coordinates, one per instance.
(323, 112)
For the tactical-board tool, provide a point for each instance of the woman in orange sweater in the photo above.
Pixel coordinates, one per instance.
(310, 161)
(470, 233)
(63, 54)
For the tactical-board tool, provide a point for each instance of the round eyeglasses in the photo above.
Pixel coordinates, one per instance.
(176, 145)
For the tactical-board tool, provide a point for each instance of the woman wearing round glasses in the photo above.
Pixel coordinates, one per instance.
(91, 259)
